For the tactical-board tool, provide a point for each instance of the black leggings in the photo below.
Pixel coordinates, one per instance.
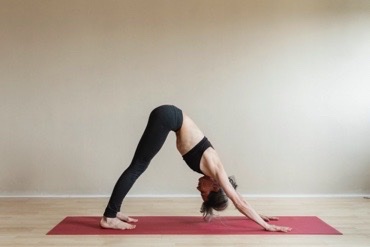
(162, 120)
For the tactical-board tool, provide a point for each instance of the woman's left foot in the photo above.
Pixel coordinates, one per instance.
(125, 218)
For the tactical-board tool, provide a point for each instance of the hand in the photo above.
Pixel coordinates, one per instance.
(273, 228)
(268, 218)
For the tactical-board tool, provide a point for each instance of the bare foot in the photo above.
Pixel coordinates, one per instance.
(125, 218)
(115, 223)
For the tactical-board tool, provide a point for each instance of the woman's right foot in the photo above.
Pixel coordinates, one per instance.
(115, 223)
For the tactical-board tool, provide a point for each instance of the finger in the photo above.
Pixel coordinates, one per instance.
(286, 229)
(265, 218)
(273, 218)
(275, 228)
(272, 228)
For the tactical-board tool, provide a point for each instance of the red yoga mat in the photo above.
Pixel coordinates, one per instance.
(192, 225)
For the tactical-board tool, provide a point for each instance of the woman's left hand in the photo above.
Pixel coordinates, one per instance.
(268, 218)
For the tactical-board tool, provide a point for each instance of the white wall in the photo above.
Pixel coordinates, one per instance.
(281, 88)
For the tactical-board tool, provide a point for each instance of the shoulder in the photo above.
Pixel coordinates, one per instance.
(212, 166)
(210, 163)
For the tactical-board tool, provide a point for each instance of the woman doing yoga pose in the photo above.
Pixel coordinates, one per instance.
(215, 186)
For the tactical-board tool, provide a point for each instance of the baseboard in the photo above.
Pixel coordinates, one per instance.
(366, 196)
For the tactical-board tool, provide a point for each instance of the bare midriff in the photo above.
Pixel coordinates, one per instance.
(188, 135)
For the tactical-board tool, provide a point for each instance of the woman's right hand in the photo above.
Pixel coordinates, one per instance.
(274, 228)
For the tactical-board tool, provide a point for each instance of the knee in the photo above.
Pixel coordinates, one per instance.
(137, 168)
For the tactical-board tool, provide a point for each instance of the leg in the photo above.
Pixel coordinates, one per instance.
(159, 125)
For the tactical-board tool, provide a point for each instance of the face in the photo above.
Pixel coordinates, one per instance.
(207, 185)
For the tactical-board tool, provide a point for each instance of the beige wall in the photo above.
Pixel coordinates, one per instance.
(281, 88)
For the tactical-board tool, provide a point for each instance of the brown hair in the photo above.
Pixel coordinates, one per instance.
(216, 201)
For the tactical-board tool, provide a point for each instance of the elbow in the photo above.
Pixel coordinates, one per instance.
(238, 204)
(243, 207)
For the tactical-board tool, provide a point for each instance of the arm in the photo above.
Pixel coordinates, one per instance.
(243, 206)
(214, 168)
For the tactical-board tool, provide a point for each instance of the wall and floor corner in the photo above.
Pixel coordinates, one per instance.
(281, 88)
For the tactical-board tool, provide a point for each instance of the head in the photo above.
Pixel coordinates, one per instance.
(214, 198)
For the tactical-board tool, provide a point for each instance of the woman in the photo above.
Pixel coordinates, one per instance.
(198, 153)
